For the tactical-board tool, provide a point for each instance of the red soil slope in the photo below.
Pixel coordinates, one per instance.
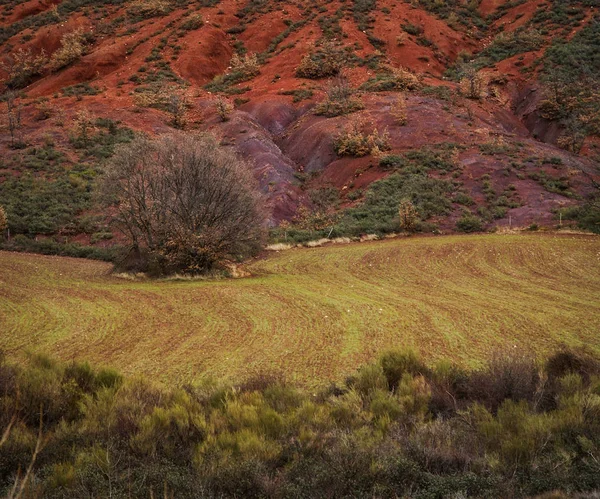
(284, 140)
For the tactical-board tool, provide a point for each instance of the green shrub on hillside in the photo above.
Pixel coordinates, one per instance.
(22, 243)
(39, 206)
(469, 223)
(440, 157)
(507, 45)
(587, 215)
(458, 13)
(80, 89)
(378, 213)
(393, 79)
(48, 204)
(571, 81)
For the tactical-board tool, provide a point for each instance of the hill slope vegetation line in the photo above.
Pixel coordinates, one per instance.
(396, 428)
(311, 315)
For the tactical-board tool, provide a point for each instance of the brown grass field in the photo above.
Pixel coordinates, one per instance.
(312, 315)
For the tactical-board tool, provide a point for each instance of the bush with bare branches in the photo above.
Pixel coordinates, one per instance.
(246, 67)
(83, 127)
(392, 78)
(409, 216)
(398, 110)
(184, 202)
(224, 108)
(13, 119)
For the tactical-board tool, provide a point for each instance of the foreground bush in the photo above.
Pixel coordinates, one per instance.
(397, 428)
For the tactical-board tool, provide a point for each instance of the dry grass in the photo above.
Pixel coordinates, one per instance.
(312, 314)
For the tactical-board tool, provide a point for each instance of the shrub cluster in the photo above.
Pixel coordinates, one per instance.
(441, 157)
(469, 223)
(241, 69)
(72, 47)
(23, 243)
(50, 203)
(458, 13)
(517, 427)
(354, 141)
(507, 45)
(392, 78)
(473, 84)
(39, 206)
(571, 81)
(322, 62)
(379, 212)
(51, 16)
(149, 8)
(340, 99)
(22, 67)
(587, 215)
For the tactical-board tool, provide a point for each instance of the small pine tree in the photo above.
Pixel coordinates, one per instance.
(409, 216)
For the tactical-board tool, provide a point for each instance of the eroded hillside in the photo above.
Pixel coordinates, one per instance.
(482, 114)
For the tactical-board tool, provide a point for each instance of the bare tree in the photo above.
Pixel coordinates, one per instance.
(184, 202)
(13, 117)
(20, 484)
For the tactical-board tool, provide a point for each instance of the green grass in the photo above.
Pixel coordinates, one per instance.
(314, 315)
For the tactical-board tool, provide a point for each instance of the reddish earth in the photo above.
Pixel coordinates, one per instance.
(282, 139)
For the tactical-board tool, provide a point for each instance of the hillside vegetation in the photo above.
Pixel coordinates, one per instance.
(312, 315)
